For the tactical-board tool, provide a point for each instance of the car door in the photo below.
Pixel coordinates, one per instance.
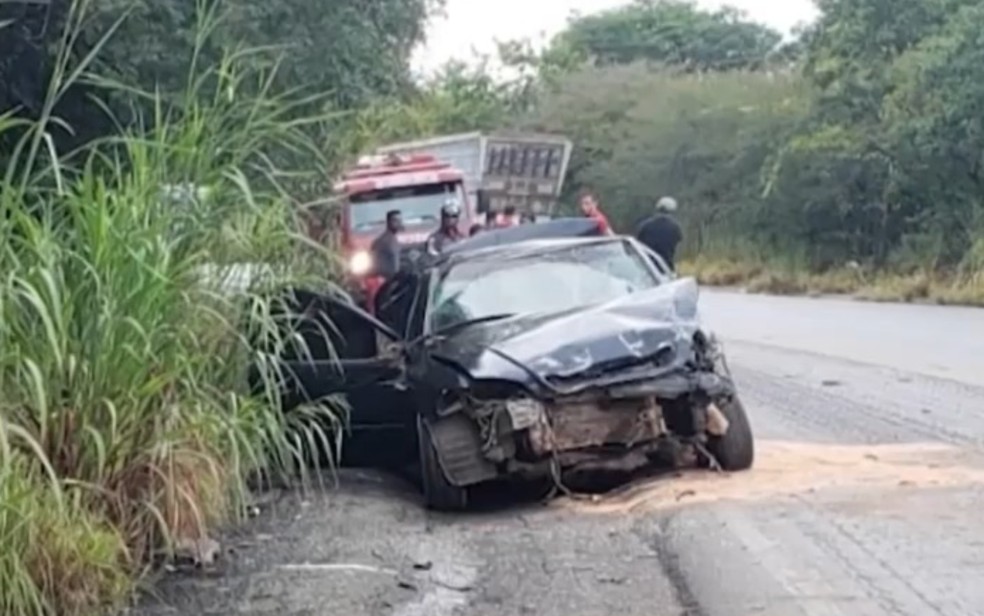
(386, 405)
(339, 349)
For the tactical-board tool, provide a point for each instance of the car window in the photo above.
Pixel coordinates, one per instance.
(417, 204)
(554, 281)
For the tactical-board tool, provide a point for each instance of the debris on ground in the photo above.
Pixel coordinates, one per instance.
(201, 552)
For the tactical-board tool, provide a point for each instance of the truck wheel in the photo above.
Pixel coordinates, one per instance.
(439, 493)
(735, 450)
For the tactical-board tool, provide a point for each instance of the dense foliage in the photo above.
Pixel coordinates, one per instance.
(867, 147)
(668, 32)
(858, 140)
(891, 130)
(348, 53)
(145, 150)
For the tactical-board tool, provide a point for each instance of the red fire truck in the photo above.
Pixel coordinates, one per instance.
(483, 173)
(418, 185)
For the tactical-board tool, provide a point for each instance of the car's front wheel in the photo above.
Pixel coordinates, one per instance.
(439, 493)
(735, 449)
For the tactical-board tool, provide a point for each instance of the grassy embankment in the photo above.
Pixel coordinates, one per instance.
(760, 276)
(125, 429)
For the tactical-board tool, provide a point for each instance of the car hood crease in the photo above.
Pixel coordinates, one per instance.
(656, 325)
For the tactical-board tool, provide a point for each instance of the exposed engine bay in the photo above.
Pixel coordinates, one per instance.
(666, 421)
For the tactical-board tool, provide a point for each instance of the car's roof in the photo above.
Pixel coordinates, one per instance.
(520, 240)
(558, 228)
(520, 249)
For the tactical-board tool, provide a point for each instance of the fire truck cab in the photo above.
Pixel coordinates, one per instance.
(417, 185)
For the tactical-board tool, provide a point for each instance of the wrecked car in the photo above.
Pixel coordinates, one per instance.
(540, 357)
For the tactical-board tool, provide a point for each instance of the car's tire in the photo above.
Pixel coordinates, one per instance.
(735, 450)
(439, 493)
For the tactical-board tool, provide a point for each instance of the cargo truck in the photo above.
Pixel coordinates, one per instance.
(524, 170)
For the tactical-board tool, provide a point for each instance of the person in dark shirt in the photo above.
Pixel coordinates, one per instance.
(661, 233)
(385, 249)
(492, 218)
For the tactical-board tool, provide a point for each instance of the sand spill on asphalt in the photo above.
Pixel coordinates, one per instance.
(787, 468)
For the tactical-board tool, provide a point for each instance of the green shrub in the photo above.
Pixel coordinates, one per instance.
(57, 557)
(125, 424)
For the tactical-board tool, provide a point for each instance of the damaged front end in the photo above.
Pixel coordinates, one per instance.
(615, 422)
(615, 387)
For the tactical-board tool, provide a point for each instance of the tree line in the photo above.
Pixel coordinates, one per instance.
(859, 139)
(334, 56)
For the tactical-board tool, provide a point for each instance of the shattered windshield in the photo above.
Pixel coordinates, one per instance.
(555, 281)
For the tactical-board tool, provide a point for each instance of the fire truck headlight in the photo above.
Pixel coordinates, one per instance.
(360, 263)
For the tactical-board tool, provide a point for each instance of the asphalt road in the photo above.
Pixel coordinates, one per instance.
(865, 500)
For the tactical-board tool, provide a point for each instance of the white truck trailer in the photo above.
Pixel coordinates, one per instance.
(525, 170)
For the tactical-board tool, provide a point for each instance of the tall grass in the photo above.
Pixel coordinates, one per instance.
(125, 426)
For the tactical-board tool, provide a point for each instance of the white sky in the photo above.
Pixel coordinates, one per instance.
(476, 24)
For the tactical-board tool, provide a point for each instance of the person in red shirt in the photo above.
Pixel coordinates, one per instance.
(508, 218)
(590, 208)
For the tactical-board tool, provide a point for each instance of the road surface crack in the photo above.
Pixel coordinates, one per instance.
(654, 540)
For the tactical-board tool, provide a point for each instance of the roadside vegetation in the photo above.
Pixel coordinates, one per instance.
(140, 166)
(142, 143)
(845, 160)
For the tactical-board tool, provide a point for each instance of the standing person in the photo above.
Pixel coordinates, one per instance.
(661, 233)
(448, 233)
(510, 218)
(591, 209)
(385, 249)
(492, 219)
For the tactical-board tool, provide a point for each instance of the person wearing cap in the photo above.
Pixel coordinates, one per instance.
(661, 232)
(448, 233)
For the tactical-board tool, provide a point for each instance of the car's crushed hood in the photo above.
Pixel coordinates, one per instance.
(651, 330)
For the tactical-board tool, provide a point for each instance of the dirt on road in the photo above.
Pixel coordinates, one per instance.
(786, 469)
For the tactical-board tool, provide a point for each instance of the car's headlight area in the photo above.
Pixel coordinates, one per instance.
(360, 263)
